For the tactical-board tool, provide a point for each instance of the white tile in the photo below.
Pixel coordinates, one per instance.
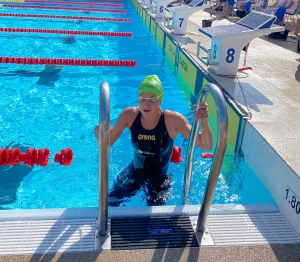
(274, 129)
(295, 165)
(286, 148)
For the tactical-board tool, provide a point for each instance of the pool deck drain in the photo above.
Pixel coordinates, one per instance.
(152, 232)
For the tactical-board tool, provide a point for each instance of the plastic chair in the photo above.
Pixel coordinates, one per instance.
(247, 7)
(280, 15)
(257, 5)
(264, 4)
(245, 11)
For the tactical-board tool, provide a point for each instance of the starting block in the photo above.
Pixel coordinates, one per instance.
(229, 40)
(160, 6)
(180, 15)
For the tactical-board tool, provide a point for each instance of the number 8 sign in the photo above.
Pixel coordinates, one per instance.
(230, 57)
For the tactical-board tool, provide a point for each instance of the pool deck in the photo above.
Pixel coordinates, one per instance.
(268, 253)
(272, 91)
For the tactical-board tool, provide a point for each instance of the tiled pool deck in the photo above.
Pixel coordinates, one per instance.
(265, 253)
(272, 91)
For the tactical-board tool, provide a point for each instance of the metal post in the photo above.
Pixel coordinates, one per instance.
(192, 142)
(219, 155)
(104, 129)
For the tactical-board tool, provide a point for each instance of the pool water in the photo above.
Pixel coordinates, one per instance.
(58, 106)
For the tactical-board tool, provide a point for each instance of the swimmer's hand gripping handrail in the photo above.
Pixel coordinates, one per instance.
(104, 130)
(222, 120)
(191, 146)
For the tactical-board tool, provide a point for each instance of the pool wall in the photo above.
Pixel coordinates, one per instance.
(275, 173)
(271, 169)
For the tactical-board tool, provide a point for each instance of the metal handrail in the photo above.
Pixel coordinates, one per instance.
(222, 120)
(104, 144)
(192, 142)
(199, 47)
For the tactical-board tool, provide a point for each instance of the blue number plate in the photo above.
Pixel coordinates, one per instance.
(160, 230)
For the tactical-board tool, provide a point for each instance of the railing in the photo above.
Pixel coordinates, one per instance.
(222, 120)
(104, 129)
(206, 60)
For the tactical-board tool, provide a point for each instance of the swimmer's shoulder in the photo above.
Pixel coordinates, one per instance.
(129, 114)
(173, 122)
(172, 116)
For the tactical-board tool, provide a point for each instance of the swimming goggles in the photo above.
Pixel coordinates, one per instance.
(152, 99)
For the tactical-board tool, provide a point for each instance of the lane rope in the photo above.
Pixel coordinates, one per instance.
(62, 3)
(66, 61)
(67, 3)
(70, 17)
(66, 8)
(67, 32)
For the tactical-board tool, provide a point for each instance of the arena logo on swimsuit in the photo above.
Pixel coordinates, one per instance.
(146, 153)
(145, 137)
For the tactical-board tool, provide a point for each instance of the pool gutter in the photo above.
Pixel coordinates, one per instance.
(92, 212)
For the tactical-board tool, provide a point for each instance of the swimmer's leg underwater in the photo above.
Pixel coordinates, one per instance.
(126, 185)
(158, 187)
(130, 181)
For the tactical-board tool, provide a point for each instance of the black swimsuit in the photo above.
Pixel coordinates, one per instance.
(152, 148)
(148, 171)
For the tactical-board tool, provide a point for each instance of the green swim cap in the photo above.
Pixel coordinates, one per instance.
(151, 84)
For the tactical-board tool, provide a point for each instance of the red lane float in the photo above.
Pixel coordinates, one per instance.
(66, 8)
(207, 155)
(4, 156)
(64, 157)
(65, 61)
(33, 157)
(70, 17)
(30, 157)
(65, 32)
(72, 3)
(176, 155)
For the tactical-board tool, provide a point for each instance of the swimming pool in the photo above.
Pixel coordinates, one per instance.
(57, 107)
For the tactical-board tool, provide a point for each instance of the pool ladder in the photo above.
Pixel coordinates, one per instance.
(206, 60)
(104, 145)
(104, 129)
(222, 120)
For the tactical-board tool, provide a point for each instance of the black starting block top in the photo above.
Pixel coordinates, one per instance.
(250, 23)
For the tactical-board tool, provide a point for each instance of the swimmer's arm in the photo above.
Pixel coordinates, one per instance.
(205, 138)
(117, 130)
(206, 141)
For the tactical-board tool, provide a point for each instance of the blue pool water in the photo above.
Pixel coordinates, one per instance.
(57, 107)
